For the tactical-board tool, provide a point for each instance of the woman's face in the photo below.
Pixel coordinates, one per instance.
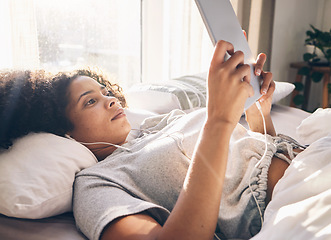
(96, 115)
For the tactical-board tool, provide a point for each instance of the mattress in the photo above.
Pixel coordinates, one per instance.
(57, 227)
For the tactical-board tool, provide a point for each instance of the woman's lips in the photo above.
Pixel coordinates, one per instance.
(119, 114)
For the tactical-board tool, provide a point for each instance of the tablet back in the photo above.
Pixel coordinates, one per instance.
(222, 24)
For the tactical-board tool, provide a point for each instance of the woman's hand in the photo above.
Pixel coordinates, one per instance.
(228, 85)
(253, 116)
(268, 85)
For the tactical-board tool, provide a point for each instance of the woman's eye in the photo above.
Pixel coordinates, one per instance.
(109, 94)
(90, 102)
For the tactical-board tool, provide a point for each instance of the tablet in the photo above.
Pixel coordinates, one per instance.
(222, 24)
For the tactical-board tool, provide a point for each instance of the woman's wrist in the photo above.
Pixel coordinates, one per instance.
(219, 130)
(216, 126)
(254, 120)
(255, 124)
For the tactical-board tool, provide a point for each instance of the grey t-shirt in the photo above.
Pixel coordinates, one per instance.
(150, 176)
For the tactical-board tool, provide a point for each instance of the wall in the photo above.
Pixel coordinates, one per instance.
(292, 19)
(326, 21)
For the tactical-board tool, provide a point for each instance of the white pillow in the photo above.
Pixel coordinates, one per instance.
(185, 93)
(282, 90)
(136, 117)
(151, 99)
(314, 127)
(37, 174)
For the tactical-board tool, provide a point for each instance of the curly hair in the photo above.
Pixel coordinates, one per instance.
(36, 101)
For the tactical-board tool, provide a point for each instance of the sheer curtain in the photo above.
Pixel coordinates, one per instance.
(19, 43)
(175, 41)
(149, 41)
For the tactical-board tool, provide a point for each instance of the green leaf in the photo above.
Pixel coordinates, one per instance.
(315, 60)
(316, 76)
(298, 99)
(309, 33)
(325, 38)
(315, 29)
(304, 71)
(328, 52)
(298, 86)
(308, 41)
(307, 56)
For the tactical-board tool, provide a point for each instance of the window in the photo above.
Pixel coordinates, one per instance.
(103, 33)
(60, 35)
(146, 40)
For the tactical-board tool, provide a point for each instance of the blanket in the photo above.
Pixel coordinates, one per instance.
(301, 201)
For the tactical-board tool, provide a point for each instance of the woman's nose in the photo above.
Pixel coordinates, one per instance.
(111, 102)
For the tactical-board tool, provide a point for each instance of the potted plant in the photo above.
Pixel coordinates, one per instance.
(318, 45)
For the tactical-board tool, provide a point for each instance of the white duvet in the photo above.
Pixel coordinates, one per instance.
(301, 202)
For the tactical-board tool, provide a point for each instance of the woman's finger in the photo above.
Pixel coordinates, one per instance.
(267, 80)
(236, 60)
(261, 58)
(244, 72)
(249, 89)
(269, 93)
(219, 53)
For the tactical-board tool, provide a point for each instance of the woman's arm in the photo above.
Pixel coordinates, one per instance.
(196, 211)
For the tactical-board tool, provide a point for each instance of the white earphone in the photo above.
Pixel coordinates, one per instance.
(258, 105)
(94, 143)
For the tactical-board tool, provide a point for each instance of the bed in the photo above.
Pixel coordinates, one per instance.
(38, 206)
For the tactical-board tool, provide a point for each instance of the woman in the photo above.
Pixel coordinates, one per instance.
(149, 192)
(174, 191)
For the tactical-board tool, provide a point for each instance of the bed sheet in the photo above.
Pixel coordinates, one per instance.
(62, 227)
(57, 227)
(286, 119)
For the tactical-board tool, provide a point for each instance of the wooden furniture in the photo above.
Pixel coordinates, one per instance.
(326, 79)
